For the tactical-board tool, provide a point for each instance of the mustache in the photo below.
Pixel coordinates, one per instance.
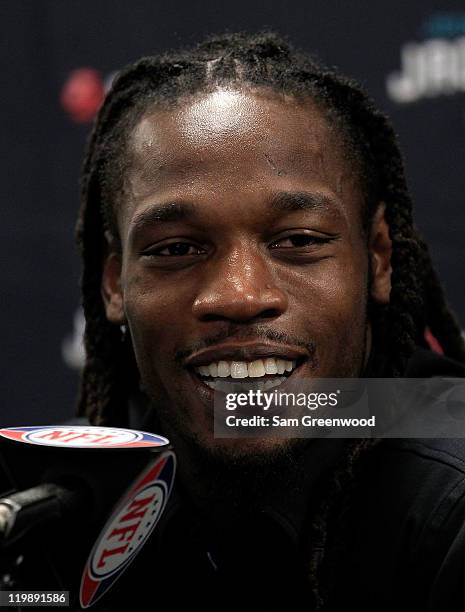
(233, 331)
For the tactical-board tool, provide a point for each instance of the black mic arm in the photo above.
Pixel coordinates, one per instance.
(24, 510)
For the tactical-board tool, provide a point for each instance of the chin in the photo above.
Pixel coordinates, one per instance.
(249, 449)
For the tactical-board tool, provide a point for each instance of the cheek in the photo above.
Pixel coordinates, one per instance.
(158, 320)
(329, 292)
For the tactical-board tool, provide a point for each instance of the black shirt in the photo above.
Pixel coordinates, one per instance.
(395, 539)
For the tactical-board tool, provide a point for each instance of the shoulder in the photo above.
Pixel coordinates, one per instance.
(425, 364)
(406, 518)
(417, 467)
(417, 485)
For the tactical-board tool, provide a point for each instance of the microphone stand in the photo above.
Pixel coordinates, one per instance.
(55, 500)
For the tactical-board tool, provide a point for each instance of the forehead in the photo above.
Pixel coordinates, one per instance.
(237, 139)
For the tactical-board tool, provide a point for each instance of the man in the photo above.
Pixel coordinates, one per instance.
(244, 212)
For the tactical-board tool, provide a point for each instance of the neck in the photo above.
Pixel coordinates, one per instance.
(226, 489)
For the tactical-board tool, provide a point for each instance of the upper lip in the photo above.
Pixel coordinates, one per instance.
(244, 352)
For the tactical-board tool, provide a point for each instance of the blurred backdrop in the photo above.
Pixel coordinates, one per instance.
(60, 56)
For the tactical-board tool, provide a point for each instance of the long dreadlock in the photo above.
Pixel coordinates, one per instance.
(262, 61)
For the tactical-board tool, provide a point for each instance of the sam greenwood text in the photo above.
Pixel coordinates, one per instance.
(304, 421)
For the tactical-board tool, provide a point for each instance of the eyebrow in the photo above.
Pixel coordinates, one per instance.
(282, 201)
(163, 213)
(289, 201)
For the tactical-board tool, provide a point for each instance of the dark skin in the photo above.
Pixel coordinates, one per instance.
(261, 252)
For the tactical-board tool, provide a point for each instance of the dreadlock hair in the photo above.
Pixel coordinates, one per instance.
(260, 60)
(256, 61)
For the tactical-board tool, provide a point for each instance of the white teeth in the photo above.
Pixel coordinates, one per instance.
(213, 369)
(223, 369)
(231, 387)
(290, 365)
(256, 368)
(252, 369)
(239, 369)
(271, 366)
(275, 382)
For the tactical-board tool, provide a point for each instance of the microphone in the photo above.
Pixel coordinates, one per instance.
(24, 510)
(63, 484)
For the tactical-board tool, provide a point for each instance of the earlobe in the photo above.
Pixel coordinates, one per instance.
(111, 290)
(380, 248)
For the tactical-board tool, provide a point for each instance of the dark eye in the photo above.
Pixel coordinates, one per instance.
(299, 241)
(175, 249)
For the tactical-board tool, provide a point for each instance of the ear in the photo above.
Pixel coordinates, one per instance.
(112, 294)
(380, 249)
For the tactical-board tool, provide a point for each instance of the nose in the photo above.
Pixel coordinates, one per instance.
(240, 287)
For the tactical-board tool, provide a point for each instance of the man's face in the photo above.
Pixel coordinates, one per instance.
(241, 237)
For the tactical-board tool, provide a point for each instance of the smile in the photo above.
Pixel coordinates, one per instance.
(235, 367)
(234, 376)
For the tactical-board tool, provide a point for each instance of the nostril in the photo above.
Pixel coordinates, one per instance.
(227, 306)
(270, 313)
(213, 317)
(267, 314)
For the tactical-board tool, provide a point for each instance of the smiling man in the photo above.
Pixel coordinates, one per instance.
(245, 216)
(241, 245)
